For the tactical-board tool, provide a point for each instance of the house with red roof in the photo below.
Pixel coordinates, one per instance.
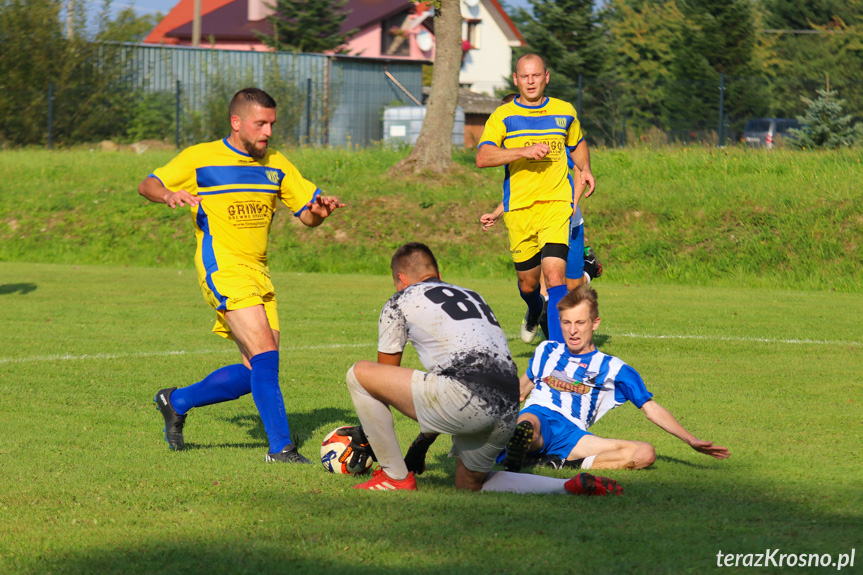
(397, 29)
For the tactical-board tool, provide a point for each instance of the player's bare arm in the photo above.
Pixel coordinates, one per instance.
(525, 386)
(488, 220)
(152, 189)
(581, 158)
(390, 358)
(660, 416)
(490, 156)
(319, 209)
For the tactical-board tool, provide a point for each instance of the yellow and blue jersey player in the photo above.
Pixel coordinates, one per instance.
(232, 187)
(534, 137)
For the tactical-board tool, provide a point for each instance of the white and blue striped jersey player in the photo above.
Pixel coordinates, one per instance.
(572, 392)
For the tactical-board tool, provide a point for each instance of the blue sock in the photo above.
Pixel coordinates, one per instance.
(533, 300)
(224, 384)
(555, 294)
(268, 399)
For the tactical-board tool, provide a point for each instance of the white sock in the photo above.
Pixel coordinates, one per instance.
(586, 277)
(377, 421)
(523, 483)
(588, 462)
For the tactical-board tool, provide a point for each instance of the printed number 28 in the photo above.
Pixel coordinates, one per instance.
(461, 305)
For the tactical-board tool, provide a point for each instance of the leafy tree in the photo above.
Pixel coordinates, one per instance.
(89, 101)
(824, 124)
(568, 35)
(307, 25)
(128, 26)
(642, 40)
(804, 14)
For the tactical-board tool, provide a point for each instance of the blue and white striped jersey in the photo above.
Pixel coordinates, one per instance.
(582, 388)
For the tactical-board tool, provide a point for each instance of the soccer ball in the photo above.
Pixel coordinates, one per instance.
(336, 453)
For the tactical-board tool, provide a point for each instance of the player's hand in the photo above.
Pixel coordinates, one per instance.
(323, 206)
(360, 448)
(536, 151)
(707, 448)
(488, 220)
(181, 198)
(588, 180)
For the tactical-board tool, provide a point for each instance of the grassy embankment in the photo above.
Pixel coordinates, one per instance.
(687, 216)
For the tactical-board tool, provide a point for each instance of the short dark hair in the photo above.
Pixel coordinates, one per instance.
(583, 293)
(414, 259)
(249, 96)
(508, 98)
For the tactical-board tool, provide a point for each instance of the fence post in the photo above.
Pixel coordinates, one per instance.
(579, 96)
(177, 116)
(721, 107)
(309, 111)
(50, 111)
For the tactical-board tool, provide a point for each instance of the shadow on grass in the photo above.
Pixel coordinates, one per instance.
(301, 424)
(23, 289)
(658, 526)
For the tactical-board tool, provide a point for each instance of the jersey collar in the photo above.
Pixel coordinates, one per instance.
(233, 149)
(531, 107)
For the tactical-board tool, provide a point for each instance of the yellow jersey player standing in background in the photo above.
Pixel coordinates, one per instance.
(232, 187)
(532, 137)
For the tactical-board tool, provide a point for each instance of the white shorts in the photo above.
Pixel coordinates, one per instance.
(480, 419)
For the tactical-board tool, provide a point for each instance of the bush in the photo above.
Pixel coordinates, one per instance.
(824, 125)
(152, 117)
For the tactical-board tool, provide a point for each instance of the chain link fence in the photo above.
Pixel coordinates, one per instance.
(180, 95)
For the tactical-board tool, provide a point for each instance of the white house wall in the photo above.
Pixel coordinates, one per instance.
(486, 68)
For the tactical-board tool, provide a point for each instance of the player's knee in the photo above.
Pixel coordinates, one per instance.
(643, 455)
(528, 285)
(351, 377)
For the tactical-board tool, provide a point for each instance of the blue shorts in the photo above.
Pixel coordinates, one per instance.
(559, 435)
(575, 261)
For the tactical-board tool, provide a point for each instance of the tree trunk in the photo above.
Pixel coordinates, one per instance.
(433, 150)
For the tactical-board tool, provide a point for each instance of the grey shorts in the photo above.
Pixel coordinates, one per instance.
(480, 419)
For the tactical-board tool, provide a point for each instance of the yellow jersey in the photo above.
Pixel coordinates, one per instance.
(238, 198)
(527, 181)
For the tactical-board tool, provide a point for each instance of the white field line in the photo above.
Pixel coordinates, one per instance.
(97, 356)
(91, 356)
(737, 339)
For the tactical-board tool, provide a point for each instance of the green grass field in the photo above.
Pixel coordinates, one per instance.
(88, 484)
(692, 216)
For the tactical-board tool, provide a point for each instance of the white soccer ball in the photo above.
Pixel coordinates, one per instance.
(336, 453)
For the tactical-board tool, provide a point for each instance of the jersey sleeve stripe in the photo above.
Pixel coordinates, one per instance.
(486, 143)
(317, 193)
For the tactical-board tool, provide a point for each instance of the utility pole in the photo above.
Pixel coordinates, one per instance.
(70, 20)
(196, 24)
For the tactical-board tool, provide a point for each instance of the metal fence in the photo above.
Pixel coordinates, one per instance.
(340, 100)
(322, 99)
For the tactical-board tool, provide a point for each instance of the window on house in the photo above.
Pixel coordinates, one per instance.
(394, 41)
(471, 32)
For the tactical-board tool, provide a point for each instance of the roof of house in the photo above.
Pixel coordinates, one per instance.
(229, 22)
(227, 19)
(182, 13)
(470, 102)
